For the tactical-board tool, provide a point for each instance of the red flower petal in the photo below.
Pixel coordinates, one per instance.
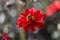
(40, 25)
(26, 29)
(27, 11)
(21, 13)
(21, 22)
(37, 13)
(44, 16)
(32, 11)
(4, 35)
(40, 19)
(33, 27)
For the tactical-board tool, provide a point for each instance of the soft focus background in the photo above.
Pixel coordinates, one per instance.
(9, 12)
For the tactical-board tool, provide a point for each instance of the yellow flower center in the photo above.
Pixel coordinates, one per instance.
(30, 18)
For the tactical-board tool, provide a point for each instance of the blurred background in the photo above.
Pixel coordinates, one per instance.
(9, 12)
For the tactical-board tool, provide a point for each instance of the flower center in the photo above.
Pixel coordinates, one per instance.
(30, 18)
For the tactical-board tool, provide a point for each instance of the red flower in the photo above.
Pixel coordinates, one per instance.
(55, 6)
(30, 19)
(5, 36)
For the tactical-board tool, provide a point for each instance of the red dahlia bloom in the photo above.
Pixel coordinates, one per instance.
(55, 6)
(5, 36)
(30, 19)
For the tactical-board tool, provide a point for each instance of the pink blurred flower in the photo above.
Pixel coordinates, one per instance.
(53, 7)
